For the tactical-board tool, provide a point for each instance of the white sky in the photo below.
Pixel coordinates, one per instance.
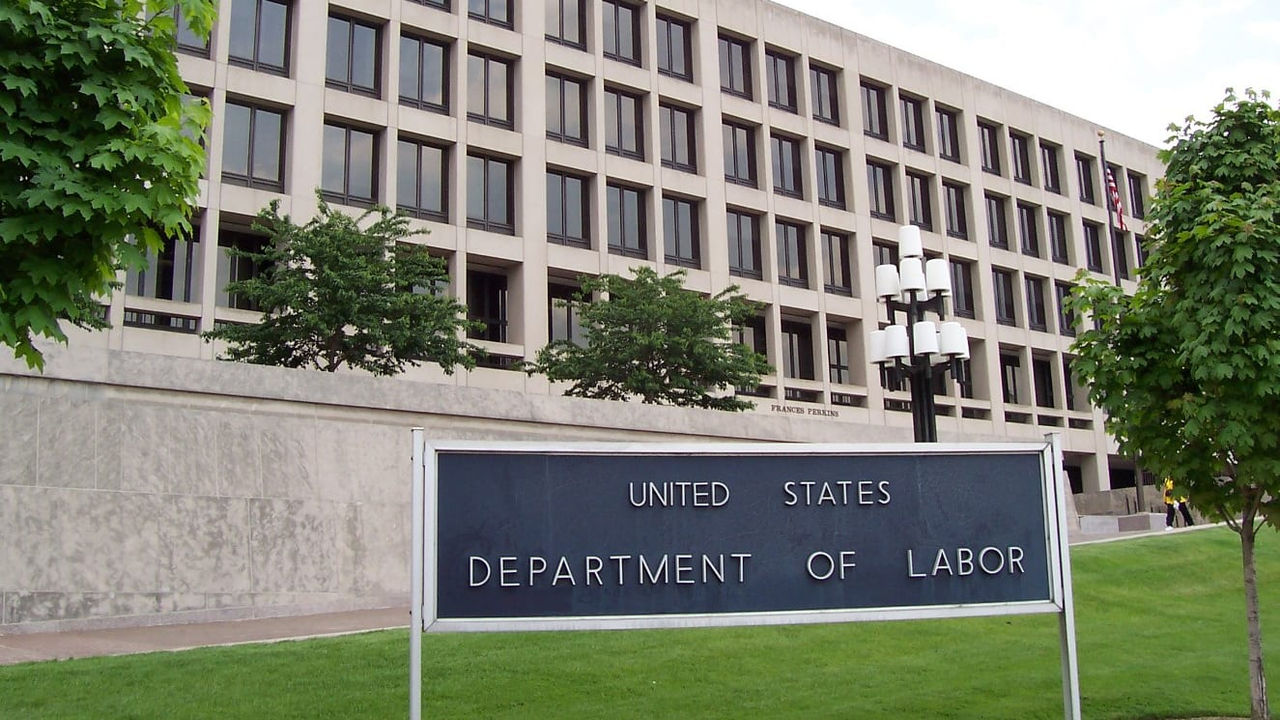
(1133, 66)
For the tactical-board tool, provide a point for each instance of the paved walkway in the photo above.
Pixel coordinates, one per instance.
(124, 641)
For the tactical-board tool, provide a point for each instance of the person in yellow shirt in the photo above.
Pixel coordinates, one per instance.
(1171, 504)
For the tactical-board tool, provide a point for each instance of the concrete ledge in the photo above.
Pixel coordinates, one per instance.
(1102, 524)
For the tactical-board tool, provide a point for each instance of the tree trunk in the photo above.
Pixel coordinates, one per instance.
(1257, 678)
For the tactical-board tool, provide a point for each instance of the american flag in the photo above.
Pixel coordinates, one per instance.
(1114, 194)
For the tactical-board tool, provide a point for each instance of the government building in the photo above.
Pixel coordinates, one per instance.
(534, 143)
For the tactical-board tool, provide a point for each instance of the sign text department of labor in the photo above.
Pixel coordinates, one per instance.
(562, 534)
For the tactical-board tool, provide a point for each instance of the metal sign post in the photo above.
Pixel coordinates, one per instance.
(535, 536)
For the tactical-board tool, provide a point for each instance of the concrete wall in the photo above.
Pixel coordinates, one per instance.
(142, 489)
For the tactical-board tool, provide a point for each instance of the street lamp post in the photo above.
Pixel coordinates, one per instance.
(920, 347)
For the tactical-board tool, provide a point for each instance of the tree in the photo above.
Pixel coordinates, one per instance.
(334, 293)
(99, 154)
(649, 337)
(1188, 368)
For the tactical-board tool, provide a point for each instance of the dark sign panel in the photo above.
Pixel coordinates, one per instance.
(563, 534)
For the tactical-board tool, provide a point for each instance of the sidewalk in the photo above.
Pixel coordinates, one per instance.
(124, 641)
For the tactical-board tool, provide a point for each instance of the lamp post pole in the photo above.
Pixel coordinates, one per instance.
(918, 347)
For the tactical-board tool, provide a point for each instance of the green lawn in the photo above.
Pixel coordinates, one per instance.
(1160, 624)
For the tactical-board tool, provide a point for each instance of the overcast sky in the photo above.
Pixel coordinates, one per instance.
(1130, 65)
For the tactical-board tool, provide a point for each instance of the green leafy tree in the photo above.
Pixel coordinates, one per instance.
(650, 338)
(1188, 367)
(99, 154)
(345, 291)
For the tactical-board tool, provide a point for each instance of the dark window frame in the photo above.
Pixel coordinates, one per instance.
(963, 299)
(797, 350)
(612, 47)
(1020, 157)
(1066, 319)
(829, 166)
(1028, 229)
(417, 210)
(1059, 237)
(788, 170)
(1050, 159)
(837, 264)
(186, 41)
(735, 66)
(486, 116)
(782, 90)
(1093, 246)
(1137, 195)
(741, 247)
(251, 179)
(627, 196)
(957, 207)
(825, 92)
(255, 62)
(838, 363)
(173, 272)
(1085, 176)
(488, 297)
(420, 75)
(919, 201)
(678, 249)
(913, 130)
(880, 191)
(619, 97)
(489, 13)
(1037, 311)
(237, 268)
(997, 221)
(790, 242)
(989, 142)
(349, 83)
(505, 226)
(562, 134)
(345, 195)
(1010, 364)
(1042, 382)
(557, 34)
(681, 50)
(948, 133)
(564, 180)
(731, 134)
(1006, 301)
(668, 132)
(875, 113)
(560, 299)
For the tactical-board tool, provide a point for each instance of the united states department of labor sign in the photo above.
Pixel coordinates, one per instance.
(538, 536)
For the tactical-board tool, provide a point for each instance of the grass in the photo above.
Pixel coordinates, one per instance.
(1160, 624)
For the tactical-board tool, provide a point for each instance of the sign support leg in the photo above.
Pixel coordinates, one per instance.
(415, 587)
(1067, 616)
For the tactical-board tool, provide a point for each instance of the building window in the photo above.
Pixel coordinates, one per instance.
(421, 180)
(957, 210)
(912, 123)
(1084, 171)
(1042, 379)
(675, 54)
(350, 168)
(735, 66)
(567, 109)
(568, 222)
(1068, 387)
(826, 98)
(786, 165)
(564, 322)
(997, 227)
(490, 194)
(948, 135)
(424, 73)
(565, 22)
(963, 370)
(989, 139)
(1009, 365)
(621, 32)
(1020, 157)
(233, 268)
(1140, 248)
(489, 90)
(441, 4)
(793, 261)
(1059, 243)
(680, 231)
(677, 130)
(624, 125)
(884, 254)
(494, 12)
(838, 356)
(1052, 173)
(962, 298)
(830, 166)
(919, 201)
(1037, 316)
(880, 190)
(797, 350)
(781, 76)
(259, 35)
(172, 272)
(487, 305)
(1120, 252)
(253, 147)
(739, 154)
(751, 334)
(352, 60)
(875, 115)
(837, 270)
(185, 40)
(1137, 196)
(1006, 305)
(1093, 246)
(1028, 229)
(1066, 319)
(744, 244)
(625, 215)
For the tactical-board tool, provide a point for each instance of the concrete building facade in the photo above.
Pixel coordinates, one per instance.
(743, 142)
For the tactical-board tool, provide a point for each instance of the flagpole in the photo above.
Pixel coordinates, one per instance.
(1106, 193)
